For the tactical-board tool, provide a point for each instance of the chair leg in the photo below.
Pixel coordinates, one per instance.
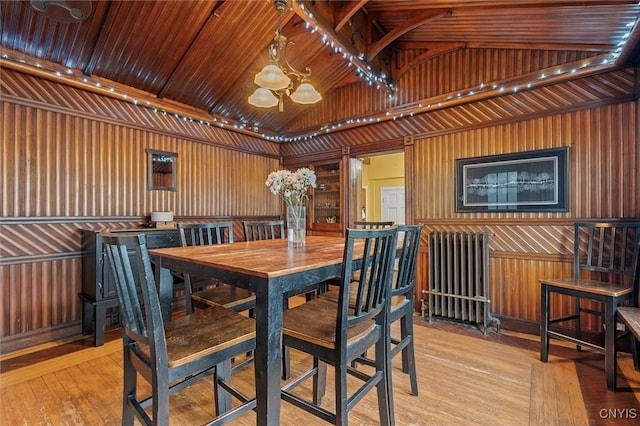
(188, 291)
(252, 314)
(221, 396)
(408, 353)
(340, 380)
(160, 404)
(610, 342)
(544, 323)
(129, 389)
(319, 380)
(286, 362)
(578, 325)
(384, 386)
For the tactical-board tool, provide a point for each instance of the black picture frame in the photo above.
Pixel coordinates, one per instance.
(530, 181)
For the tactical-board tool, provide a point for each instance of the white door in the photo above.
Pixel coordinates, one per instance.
(392, 204)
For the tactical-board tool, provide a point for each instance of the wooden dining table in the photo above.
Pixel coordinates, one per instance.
(270, 269)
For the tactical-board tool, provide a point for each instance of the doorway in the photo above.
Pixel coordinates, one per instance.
(383, 171)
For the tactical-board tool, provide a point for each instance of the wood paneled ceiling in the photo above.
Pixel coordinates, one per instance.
(202, 55)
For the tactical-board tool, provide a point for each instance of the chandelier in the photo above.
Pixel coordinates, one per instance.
(275, 80)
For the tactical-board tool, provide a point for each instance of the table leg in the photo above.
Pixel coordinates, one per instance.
(544, 322)
(268, 356)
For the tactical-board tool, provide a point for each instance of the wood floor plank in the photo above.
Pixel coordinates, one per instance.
(48, 402)
(104, 374)
(63, 403)
(464, 378)
(84, 410)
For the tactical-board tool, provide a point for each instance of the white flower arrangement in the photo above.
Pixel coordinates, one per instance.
(292, 186)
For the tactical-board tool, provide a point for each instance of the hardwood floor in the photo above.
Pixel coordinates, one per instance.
(465, 378)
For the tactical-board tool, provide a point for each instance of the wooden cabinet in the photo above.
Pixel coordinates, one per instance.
(326, 203)
(98, 289)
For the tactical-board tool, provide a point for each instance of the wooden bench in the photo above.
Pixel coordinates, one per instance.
(630, 317)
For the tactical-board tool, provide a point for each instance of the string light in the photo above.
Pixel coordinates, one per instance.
(363, 70)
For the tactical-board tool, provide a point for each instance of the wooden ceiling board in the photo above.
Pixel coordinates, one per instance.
(540, 26)
(69, 44)
(219, 56)
(203, 55)
(143, 53)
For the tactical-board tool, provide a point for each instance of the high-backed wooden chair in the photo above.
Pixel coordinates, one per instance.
(171, 355)
(630, 315)
(402, 293)
(256, 230)
(338, 333)
(214, 293)
(602, 272)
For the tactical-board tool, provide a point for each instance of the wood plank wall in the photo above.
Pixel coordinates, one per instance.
(62, 171)
(604, 158)
(71, 160)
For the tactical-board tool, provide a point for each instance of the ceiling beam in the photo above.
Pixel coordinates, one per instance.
(355, 58)
(374, 48)
(631, 48)
(502, 45)
(432, 52)
(342, 16)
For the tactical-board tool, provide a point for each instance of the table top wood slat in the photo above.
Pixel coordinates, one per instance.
(265, 259)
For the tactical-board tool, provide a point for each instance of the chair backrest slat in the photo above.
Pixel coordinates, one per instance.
(205, 233)
(407, 261)
(263, 230)
(605, 247)
(376, 248)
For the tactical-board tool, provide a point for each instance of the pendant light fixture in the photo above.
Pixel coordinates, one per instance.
(276, 80)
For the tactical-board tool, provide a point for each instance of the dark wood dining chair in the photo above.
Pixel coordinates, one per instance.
(171, 355)
(401, 303)
(211, 291)
(337, 333)
(256, 230)
(602, 275)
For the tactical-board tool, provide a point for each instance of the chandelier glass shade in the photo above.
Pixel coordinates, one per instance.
(276, 80)
(263, 98)
(272, 77)
(305, 94)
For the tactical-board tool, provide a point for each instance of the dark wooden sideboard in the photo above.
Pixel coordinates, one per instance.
(98, 289)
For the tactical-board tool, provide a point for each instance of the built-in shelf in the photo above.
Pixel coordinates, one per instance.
(326, 201)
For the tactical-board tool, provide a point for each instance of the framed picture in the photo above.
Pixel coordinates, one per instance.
(531, 181)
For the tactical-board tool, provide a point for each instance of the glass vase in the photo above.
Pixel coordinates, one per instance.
(296, 226)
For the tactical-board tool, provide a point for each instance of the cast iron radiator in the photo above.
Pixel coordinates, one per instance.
(459, 287)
